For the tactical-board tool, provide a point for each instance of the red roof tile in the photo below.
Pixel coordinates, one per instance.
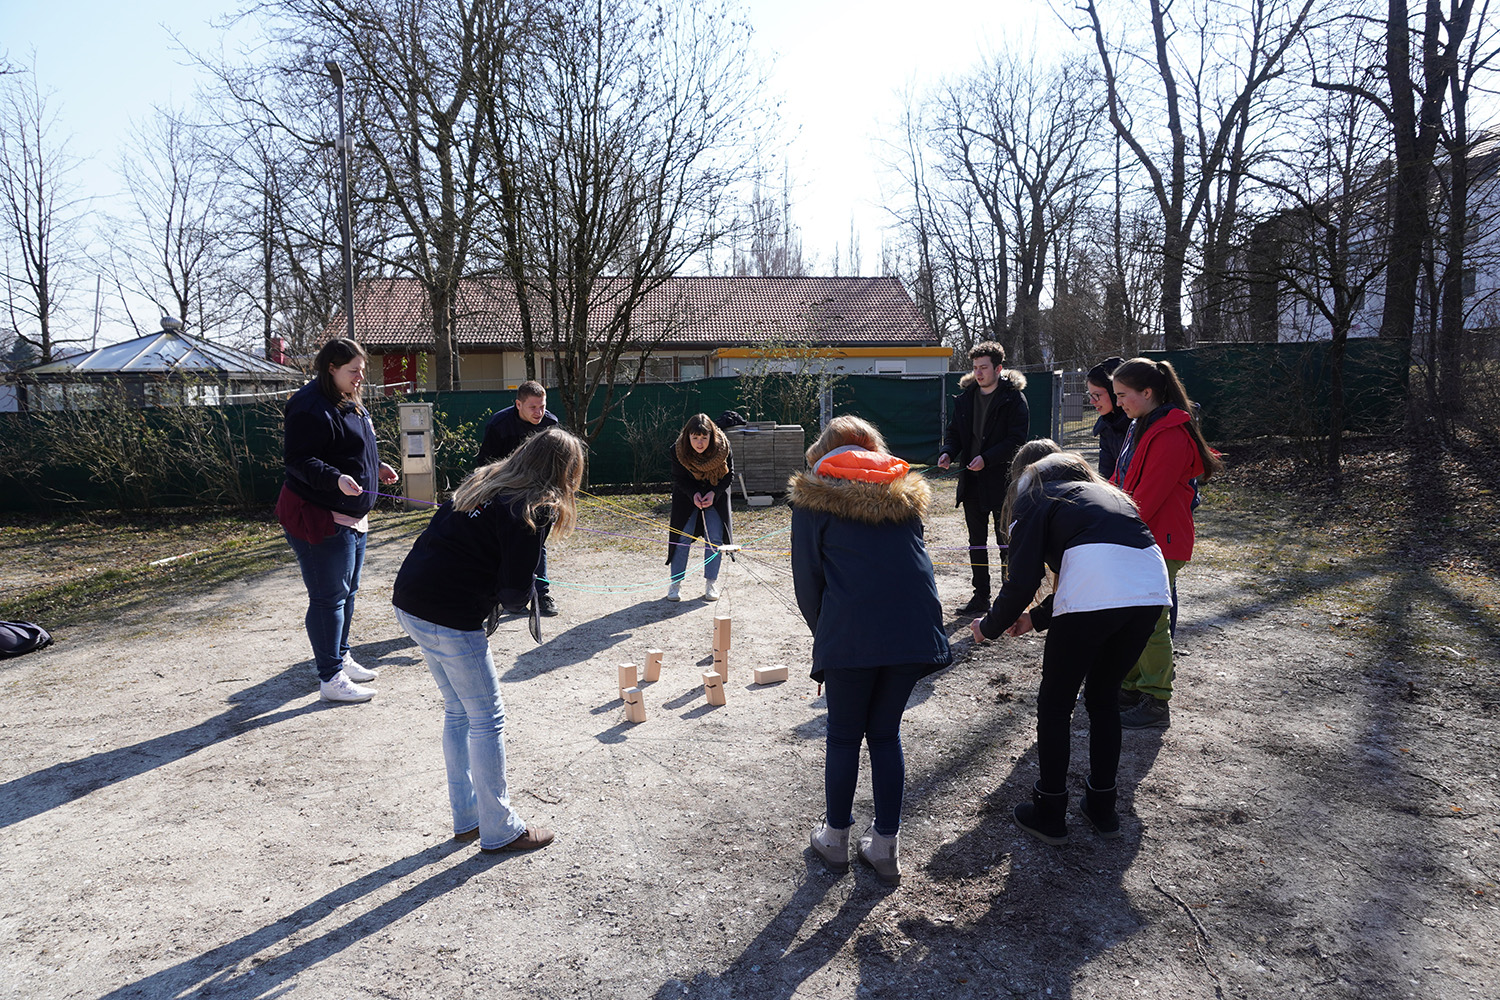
(695, 312)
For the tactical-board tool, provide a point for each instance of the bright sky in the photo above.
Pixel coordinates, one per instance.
(841, 66)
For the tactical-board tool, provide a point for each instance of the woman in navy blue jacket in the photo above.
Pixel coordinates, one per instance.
(1111, 587)
(702, 479)
(332, 468)
(864, 584)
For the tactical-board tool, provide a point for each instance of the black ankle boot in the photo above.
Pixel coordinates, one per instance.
(1098, 807)
(1045, 816)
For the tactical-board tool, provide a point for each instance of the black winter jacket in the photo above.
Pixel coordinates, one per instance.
(862, 574)
(1088, 534)
(465, 562)
(1110, 430)
(684, 516)
(506, 430)
(325, 440)
(1006, 427)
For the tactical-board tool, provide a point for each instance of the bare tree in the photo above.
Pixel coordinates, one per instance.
(617, 142)
(170, 249)
(42, 213)
(1224, 55)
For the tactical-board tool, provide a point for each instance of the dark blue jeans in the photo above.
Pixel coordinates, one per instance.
(865, 705)
(330, 571)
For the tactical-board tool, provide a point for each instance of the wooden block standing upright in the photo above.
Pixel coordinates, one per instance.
(721, 633)
(635, 705)
(653, 665)
(628, 678)
(713, 687)
(721, 663)
(770, 675)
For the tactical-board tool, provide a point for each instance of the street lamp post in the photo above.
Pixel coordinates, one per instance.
(345, 145)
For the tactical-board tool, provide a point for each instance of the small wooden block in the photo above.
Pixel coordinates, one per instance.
(653, 665)
(770, 675)
(721, 632)
(713, 687)
(721, 664)
(628, 678)
(635, 705)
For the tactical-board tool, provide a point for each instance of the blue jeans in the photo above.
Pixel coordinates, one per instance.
(865, 705)
(330, 571)
(713, 531)
(473, 729)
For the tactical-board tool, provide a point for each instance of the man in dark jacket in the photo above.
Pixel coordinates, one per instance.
(503, 434)
(990, 421)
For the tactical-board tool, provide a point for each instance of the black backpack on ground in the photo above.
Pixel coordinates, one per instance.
(21, 637)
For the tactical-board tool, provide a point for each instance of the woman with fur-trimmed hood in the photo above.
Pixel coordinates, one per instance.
(864, 584)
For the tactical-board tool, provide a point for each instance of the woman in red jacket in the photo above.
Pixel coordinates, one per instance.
(1164, 452)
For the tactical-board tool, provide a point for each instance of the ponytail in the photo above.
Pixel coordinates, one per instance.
(1161, 378)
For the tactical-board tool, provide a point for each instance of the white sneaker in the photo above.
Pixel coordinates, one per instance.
(712, 591)
(674, 592)
(357, 673)
(341, 688)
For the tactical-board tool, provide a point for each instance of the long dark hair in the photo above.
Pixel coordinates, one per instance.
(1161, 378)
(337, 353)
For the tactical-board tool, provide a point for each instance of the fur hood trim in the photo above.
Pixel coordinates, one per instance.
(1016, 379)
(873, 503)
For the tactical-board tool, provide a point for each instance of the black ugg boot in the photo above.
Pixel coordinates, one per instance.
(1045, 816)
(1098, 807)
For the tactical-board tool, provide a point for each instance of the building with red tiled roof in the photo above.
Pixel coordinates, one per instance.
(700, 326)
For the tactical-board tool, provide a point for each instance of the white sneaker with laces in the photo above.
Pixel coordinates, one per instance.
(357, 673)
(674, 592)
(712, 592)
(340, 688)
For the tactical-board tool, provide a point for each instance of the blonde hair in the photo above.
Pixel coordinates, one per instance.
(544, 473)
(843, 431)
(1060, 466)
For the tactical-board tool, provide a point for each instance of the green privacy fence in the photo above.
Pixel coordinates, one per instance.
(173, 456)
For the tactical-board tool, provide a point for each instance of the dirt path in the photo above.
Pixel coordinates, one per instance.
(180, 817)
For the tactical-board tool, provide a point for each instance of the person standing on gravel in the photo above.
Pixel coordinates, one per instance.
(864, 584)
(503, 434)
(1111, 586)
(990, 421)
(1112, 424)
(332, 467)
(702, 479)
(1163, 458)
(485, 540)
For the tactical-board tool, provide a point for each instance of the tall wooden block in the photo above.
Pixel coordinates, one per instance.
(770, 675)
(713, 687)
(628, 677)
(653, 665)
(635, 705)
(721, 664)
(721, 633)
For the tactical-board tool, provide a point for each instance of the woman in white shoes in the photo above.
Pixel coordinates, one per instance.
(332, 468)
(864, 584)
(1111, 586)
(487, 539)
(702, 478)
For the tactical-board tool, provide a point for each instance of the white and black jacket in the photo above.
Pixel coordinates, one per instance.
(1090, 536)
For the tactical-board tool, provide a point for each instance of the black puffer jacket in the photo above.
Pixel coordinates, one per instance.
(325, 440)
(1006, 427)
(862, 574)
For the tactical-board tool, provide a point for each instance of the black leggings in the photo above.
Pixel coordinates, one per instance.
(1095, 649)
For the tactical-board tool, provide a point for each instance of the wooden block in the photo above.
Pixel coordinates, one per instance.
(628, 678)
(635, 705)
(713, 687)
(721, 664)
(770, 675)
(721, 632)
(653, 665)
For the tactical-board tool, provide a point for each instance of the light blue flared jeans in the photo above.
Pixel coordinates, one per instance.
(473, 729)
